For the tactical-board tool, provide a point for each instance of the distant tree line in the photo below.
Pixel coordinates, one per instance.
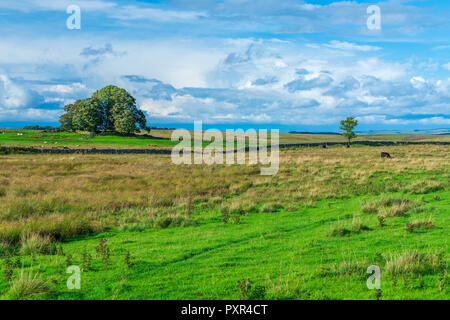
(41, 128)
(110, 109)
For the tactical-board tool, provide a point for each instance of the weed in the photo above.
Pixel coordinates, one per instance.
(225, 214)
(189, 208)
(69, 260)
(244, 286)
(128, 260)
(381, 219)
(442, 280)
(60, 250)
(9, 270)
(378, 294)
(86, 260)
(101, 249)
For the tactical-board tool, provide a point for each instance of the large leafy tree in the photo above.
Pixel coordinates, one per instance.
(109, 109)
(347, 126)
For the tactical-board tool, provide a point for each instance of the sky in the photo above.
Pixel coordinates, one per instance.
(294, 65)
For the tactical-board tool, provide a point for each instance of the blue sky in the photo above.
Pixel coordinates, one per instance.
(296, 65)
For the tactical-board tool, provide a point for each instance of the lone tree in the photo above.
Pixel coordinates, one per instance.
(109, 109)
(347, 126)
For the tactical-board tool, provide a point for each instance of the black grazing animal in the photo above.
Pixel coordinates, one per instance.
(385, 155)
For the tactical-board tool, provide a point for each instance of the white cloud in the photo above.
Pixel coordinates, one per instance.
(343, 45)
(235, 80)
(137, 13)
(11, 95)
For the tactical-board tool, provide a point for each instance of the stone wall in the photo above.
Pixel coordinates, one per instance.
(4, 149)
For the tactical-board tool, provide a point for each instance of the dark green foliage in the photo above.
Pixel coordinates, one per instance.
(378, 294)
(8, 272)
(128, 260)
(225, 214)
(257, 293)
(103, 251)
(68, 260)
(347, 126)
(110, 109)
(244, 286)
(86, 260)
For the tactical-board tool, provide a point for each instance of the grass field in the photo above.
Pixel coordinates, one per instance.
(79, 140)
(161, 139)
(191, 232)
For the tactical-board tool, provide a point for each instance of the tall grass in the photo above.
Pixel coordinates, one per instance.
(28, 286)
(63, 196)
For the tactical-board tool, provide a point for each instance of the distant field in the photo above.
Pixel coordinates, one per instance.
(191, 232)
(60, 139)
(161, 139)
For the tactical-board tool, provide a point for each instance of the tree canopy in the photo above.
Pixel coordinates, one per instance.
(109, 109)
(347, 126)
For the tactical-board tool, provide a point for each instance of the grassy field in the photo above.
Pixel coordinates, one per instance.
(41, 139)
(191, 232)
(161, 139)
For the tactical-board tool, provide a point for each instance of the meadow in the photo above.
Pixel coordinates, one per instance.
(161, 139)
(142, 228)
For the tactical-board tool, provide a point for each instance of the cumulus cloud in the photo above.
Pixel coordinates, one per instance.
(11, 95)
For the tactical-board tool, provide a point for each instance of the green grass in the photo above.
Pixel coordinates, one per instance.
(289, 253)
(70, 139)
(309, 232)
(161, 138)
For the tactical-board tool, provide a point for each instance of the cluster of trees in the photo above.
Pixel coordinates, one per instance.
(110, 109)
(40, 128)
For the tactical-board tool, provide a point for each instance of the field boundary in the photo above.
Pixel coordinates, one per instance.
(5, 149)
